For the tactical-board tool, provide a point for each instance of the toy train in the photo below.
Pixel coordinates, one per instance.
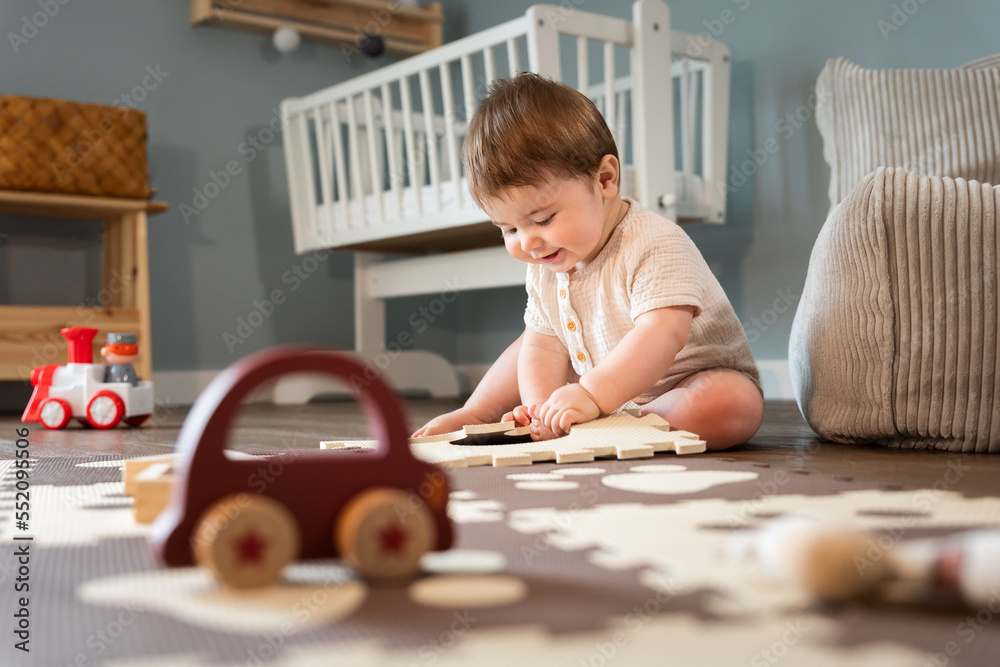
(78, 390)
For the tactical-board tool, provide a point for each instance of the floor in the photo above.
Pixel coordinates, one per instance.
(784, 439)
(587, 562)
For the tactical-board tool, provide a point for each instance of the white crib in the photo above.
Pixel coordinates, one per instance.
(374, 163)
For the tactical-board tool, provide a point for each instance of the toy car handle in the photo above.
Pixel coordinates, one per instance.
(205, 432)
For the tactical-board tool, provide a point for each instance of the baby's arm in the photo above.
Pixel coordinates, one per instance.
(496, 393)
(642, 358)
(542, 367)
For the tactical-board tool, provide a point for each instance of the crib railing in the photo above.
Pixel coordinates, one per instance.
(378, 156)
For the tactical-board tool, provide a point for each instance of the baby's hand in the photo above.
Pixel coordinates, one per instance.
(568, 405)
(520, 414)
(446, 423)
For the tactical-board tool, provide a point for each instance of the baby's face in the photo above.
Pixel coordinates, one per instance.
(560, 223)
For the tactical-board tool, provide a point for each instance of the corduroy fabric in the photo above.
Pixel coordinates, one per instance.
(933, 122)
(895, 338)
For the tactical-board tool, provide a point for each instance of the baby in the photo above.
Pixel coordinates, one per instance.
(621, 305)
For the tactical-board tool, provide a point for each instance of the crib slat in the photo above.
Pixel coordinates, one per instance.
(687, 121)
(622, 117)
(300, 182)
(390, 149)
(338, 152)
(609, 86)
(512, 62)
(356, 174)
(411, 159)
(432, 158)
(374, 158)
(582, 68)
(449, 129)
(469, 93)
(325, 173)
(488, 63)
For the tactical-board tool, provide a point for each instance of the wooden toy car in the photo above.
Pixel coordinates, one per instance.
(246, 519)
(78, 390)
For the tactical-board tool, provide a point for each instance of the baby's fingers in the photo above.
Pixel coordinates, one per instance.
(522, 416)
(570, 417)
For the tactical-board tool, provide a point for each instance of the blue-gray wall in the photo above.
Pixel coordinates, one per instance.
(215, 89)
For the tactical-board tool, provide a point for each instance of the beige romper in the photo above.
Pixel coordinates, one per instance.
(649, 262)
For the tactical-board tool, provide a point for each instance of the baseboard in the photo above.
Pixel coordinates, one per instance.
(775, 378)
(180, 387)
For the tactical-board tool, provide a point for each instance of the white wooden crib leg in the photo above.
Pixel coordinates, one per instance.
(405, 370)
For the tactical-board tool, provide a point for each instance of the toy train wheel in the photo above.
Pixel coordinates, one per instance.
(246, 540)
(105, 409)
(137, 420)
(384, 532)
(54, 413)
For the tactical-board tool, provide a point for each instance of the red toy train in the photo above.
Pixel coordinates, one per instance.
(78, 390)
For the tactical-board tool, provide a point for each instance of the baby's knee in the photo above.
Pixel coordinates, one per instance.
(740, 407)
(725, 408)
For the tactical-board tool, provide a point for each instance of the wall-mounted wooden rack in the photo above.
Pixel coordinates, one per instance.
(342, 23)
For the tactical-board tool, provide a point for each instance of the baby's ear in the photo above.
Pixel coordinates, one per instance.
(609, 174)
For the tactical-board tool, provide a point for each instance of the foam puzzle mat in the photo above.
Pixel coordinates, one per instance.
(607, 562)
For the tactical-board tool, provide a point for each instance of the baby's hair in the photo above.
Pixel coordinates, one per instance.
(529, 128)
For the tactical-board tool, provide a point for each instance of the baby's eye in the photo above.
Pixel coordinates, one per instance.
(508, 231)
(545, 221)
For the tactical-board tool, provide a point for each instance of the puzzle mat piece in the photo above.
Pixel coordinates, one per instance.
(682, 550)
(623, 435)
(639, 640)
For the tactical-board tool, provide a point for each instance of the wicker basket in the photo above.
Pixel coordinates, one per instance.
(72, 148)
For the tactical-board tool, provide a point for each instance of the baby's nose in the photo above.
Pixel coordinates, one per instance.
(530, 241)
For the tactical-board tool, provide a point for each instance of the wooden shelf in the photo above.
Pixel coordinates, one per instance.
(19, 202)
(340, 23)
(29, 335)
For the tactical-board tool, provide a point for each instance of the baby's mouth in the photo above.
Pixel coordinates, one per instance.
(551, 257)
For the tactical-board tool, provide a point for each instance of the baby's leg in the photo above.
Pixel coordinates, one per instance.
(720, 405)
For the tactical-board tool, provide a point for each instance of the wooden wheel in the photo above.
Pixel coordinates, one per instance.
(246, 540)
(384, 532)
(54, 413)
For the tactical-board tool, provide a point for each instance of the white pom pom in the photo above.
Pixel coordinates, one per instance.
(286, 39)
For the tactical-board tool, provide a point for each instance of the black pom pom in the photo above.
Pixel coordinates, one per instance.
(373, 46)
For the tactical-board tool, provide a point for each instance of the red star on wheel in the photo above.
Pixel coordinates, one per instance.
(250, 548)
(393, 538)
